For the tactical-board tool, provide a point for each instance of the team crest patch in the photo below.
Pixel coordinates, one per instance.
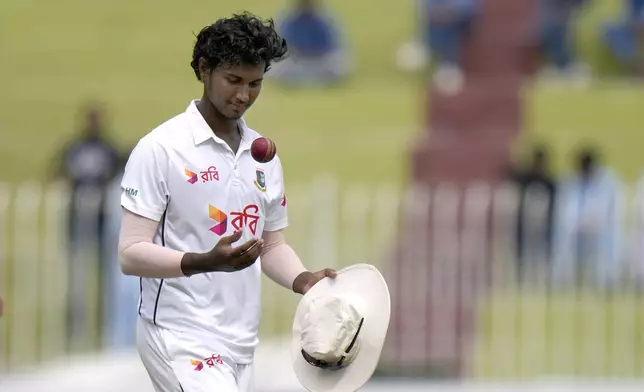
(260, 180)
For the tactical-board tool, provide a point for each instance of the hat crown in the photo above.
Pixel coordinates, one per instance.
(330, 328)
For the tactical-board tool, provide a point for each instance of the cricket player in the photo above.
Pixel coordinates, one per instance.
(202, 219)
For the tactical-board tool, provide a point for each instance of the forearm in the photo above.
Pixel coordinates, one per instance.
(138, 256)
(149, 260)
(279, 261)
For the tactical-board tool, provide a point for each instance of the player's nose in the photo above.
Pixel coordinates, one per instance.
(243, 94)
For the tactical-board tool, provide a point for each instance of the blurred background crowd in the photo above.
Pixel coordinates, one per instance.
(443, 26)
(542, 95)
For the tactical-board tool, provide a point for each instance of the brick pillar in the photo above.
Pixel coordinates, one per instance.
(468, 139)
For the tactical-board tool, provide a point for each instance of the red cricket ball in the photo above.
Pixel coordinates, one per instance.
(263, 149)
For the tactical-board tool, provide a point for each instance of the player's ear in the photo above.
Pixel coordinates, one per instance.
(204, 70)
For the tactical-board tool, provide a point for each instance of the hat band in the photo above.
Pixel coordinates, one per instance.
(333, 366)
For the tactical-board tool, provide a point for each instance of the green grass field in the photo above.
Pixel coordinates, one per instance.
(608, 115)
(134, 56)
(534, 334)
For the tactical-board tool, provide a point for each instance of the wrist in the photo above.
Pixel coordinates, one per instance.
(194, 263)
(301, 281)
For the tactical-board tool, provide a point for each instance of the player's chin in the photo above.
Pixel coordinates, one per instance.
(235, 114)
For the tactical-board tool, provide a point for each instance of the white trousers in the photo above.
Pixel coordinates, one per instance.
(178, 362)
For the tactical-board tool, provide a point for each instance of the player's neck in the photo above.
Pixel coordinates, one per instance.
(221, 126)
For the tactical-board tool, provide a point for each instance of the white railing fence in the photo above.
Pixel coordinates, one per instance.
(448, 253)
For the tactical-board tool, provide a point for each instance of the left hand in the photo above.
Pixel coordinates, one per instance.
(306, 280)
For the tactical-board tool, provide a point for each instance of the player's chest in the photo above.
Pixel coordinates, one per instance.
(217, 178)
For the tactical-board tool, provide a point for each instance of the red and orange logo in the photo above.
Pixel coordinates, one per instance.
(211, 362)
(211, 174)
(220, 217)
(192, 176)
(248, 217)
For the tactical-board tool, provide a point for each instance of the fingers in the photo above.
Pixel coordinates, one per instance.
(231, 238)
(245, 255)
(255, 250)
(328, 272)
(246, 261)
(245, 247)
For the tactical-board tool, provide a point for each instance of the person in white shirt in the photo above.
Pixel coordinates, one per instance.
(202, 219)
(588, 224)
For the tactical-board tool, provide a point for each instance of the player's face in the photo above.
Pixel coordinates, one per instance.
(232, 90)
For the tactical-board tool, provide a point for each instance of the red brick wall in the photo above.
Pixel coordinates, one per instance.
(469, 139)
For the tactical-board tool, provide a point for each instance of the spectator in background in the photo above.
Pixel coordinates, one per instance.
(442, 26)
(625, 37)
(635, 245)
(88, 164)
(316, 52)
(447, 25)
(413, 55)
(556, 24)
(537, 191)
(588, 223)
(635, 239)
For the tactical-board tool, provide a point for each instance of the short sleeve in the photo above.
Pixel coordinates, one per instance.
(144, 188)
(277, 211)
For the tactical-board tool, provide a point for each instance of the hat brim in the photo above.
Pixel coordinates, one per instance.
(365, 282)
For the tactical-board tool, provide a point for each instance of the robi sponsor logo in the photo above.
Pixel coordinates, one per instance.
(211, 361)
(192, 176)
(220, 217)
(247, 217)
(208, 175)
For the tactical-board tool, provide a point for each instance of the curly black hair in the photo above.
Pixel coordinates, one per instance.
(241, 39)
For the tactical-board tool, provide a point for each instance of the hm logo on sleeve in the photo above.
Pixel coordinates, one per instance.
(131, 192)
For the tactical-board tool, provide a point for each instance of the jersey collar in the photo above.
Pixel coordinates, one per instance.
(201, 131)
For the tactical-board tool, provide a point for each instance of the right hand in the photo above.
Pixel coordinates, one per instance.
(223, 257)
(226, 258)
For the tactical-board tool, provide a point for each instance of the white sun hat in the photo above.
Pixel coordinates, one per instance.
(339, 330)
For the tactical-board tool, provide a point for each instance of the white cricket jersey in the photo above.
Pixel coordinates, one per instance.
(189, 180)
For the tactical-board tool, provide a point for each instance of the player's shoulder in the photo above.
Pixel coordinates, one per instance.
(167, 132)
(165, 135)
